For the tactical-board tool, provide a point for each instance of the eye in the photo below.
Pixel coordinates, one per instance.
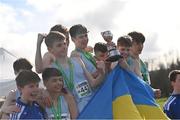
(59, 45)
(86, 35)
(61, 79)
(54, 80)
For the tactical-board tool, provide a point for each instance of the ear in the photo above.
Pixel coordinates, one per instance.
(19, 88)
(49, 49)
(172, 83)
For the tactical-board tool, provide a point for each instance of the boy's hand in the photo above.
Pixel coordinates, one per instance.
(157, 93)
(45, 99)
(41, 36)
(39, 96)
(100, 66)
(75, 54)
(48, 102)
(11, 109)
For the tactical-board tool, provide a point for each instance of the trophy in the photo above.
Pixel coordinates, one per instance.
(113, 54)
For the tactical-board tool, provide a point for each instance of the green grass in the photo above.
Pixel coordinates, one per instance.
(161, 101)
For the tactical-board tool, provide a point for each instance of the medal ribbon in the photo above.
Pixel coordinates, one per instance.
(68, 81)
(88, 56)
(57, 110)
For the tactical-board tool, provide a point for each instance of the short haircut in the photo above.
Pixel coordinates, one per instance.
(52, 37)
(59, 28)
(50, 72)
(137, 37)
(124, 41)
(21, 64)
(77, 30)
(62, 29)
(173, 74)
(100, 47)
(26, 77)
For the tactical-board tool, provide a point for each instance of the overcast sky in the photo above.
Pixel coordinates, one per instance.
(158, 20)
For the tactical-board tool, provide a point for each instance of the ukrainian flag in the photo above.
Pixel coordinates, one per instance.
(123, 96)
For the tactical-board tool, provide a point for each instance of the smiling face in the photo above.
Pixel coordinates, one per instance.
(54, 84)
(124, 51)
(28, 84)
(81, 41)
(29, 92)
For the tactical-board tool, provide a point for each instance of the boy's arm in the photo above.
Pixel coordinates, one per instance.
(47, 60)
(72, 106)
(40, 97)
(123, 63)
(9, 105)
(38, 56)
(75, 54)
(168, 110)
(94, 82)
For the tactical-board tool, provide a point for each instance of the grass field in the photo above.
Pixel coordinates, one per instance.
(161, 101)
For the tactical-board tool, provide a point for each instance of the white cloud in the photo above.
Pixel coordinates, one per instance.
(158, 20)
(149, 17)
(45, 5)
(27, 14)
(8, 20)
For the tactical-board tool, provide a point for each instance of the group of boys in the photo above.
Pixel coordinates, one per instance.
(95, 68)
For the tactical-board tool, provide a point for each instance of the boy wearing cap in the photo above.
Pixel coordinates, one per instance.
(172, 105)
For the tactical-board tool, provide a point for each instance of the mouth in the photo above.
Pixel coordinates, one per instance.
(58, 89)
(34, 94)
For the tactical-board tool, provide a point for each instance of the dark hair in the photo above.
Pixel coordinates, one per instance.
(59, 28)
(52, 37)
(100, 47)
(124, 41)
(77, 30)
(62, 29)
(50, 72)
(173, 74)
(137, 37)
(26, 77)
(21, 64)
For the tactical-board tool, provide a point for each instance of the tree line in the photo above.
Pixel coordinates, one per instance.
(159, 78)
